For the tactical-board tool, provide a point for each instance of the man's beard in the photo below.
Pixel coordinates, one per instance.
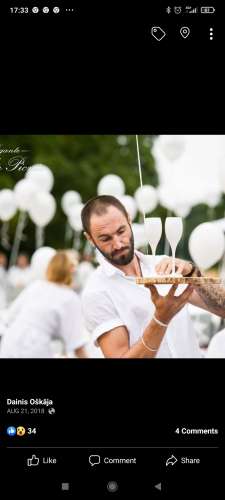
(123, 259)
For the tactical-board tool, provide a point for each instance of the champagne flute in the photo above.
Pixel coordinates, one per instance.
(153, 230)
(174, 230)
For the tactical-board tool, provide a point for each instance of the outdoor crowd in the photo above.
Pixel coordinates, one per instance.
(40, 306)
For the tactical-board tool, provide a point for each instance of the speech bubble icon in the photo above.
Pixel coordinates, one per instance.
(94, 459)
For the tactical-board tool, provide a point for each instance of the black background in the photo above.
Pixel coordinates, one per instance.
(101, 73)
(115, 403)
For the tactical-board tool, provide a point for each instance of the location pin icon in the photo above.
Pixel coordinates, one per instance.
(185, 31)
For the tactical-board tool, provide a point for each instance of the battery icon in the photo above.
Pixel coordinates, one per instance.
(207, 10)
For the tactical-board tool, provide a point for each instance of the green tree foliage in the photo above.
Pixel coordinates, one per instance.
(78, 163)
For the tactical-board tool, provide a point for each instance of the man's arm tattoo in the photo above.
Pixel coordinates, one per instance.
(213, 296)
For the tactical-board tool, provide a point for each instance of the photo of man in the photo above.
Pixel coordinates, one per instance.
(94, 204)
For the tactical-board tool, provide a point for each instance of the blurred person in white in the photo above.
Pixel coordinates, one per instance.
(75, 258)
(3, 280)
(19, 276)
(84, 271)
(46, 310)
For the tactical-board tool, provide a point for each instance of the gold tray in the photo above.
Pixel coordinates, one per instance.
(179, 280)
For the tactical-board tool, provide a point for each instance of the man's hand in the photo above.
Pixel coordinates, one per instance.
(181, 266)
(168, 306)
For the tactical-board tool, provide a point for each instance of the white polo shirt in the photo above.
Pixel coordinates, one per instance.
(43, 312)
(111, 299)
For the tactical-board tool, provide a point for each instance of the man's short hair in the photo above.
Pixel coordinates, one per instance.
(99, 206)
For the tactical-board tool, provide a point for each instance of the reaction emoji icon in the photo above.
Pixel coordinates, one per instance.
(20, 431)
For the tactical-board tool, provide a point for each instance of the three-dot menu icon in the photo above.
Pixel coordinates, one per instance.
(211, 33)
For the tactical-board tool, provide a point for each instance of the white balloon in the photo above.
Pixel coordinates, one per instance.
(206, 245)
(146, 198)
(167, 196)
(69, 200)
(40, 260)
(212, 197)
(112, 185)
(130, 205)
(219, 223)
(43, 209)
(182, 210)
(24, 192)
(140, 237)
(222, 174)
(195, 175)
(172, 146)
(8, 204)
(75, 217)
(174, 197)
(122, 140)
(42, 176)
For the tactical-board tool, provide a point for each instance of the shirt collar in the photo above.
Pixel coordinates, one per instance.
(110, 269)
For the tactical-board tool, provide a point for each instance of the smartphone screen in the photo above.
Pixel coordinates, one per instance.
(112, 298)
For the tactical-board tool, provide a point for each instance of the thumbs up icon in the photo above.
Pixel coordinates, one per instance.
(33, 461)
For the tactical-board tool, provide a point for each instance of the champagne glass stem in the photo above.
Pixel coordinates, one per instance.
(153, 247)
(173, 259)
(154, 261)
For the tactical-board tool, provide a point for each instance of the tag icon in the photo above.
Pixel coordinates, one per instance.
(185, 31)
(158, 33)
